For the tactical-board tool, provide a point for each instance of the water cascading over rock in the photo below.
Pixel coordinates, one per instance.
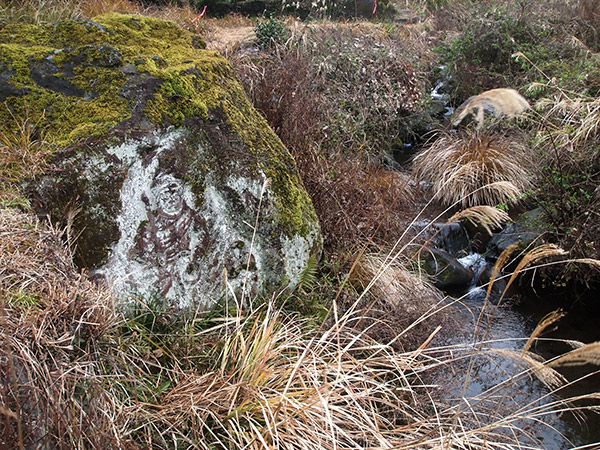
(182, 191)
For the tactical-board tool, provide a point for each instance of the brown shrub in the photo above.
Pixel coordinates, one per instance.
(284, 88)
(356, 201)
(334, 96)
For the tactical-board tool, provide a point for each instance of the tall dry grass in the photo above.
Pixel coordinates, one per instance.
(476, 167)
(574, 120)
(51, 319)
(40, 12)
(23, 151)
(75, 375)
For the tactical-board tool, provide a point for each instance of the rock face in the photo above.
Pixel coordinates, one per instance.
(525, 230)
(446, 272)
(182, 190)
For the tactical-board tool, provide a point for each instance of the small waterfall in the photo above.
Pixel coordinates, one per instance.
(438, 93)
(477, 263)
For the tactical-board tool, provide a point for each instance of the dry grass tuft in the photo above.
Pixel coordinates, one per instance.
(271, 386)
(73, 377)
(569, 176)
(487, 217)
(578, 119)
(40, 12)
(536, 365)
(50, 321)
(475, 167)
(396, 306)
(542, 326)
(534, 256)
(587, 354)
(23, 152)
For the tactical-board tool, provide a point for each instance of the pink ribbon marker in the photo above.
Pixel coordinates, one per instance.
(374, 6)
(204, 10)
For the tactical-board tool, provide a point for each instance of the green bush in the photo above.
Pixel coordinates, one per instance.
(270, 32)
(513, 47)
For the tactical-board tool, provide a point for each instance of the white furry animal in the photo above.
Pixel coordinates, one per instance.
(498, 102)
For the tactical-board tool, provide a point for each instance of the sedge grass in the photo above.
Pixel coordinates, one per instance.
(477, 167)
(50, 318)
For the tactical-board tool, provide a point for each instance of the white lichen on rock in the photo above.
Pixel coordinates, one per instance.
(192, 250)
(296, 252)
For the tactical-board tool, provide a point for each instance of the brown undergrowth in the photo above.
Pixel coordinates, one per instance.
(333, 94)
(569, 178)
(76, 375)
(51, 319)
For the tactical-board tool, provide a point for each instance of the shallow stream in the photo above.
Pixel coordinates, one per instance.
(495, 389)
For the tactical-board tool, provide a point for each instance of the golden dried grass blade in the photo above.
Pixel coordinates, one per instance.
(500, 263)
(588, 354)
(534, 255)
(487, 216)
(547, 320)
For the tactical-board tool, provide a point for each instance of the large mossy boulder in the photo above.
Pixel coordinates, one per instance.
(182, 191)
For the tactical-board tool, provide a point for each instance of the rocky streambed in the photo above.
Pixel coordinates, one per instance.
(491, 332)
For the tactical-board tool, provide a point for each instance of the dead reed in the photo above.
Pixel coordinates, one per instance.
(487, 217)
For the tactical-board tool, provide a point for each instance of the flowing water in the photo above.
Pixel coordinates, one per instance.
(495, 387)
(491, 384)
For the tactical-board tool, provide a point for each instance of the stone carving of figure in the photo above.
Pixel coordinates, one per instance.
(165, 239)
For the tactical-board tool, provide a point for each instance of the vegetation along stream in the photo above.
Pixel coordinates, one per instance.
(299, 224)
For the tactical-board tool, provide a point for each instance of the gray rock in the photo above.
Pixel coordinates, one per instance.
(182, 190)
(129, 69)
(524, 231)
(452, 238)
(445, 271)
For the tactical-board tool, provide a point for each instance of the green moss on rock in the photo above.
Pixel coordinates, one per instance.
(81, 79)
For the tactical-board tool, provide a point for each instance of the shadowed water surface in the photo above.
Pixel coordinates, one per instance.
(492, 386)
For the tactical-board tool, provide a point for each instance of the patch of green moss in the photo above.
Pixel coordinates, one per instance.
(89, 48)
(176, 99)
